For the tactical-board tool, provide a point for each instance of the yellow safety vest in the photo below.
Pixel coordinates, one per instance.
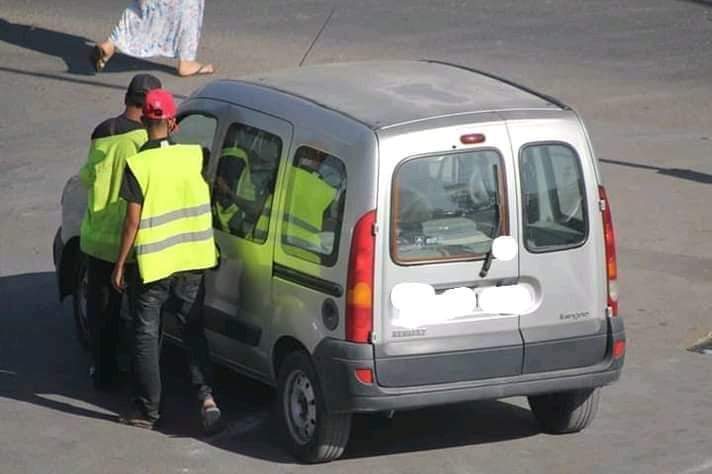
(245, 189)
(260, 230)
(311, 196)
(100, 233)
(175, 233)
(225, 214)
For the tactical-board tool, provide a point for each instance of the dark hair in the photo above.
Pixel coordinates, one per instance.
(140, 84)
(134, 100)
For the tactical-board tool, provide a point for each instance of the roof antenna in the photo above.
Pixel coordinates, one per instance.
(316, 38)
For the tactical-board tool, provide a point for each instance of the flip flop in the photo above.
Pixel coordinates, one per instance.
(203, 70)
(136, 419)
(97, 59)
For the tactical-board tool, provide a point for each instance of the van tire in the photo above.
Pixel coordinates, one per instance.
(79, 304)
(565, 412)
(330, 433)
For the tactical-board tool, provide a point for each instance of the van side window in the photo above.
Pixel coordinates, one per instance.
(244, 183)
(447, 207)
(314, 208)
(554, 197)
(197, 129)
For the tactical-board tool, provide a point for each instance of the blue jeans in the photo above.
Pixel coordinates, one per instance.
(184, 293)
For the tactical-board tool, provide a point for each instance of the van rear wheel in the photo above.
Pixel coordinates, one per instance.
(313, 435)
(565, 412)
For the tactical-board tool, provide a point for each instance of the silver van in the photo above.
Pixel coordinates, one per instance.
(395, 235)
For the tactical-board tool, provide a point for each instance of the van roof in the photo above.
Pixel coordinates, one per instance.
(381, 94)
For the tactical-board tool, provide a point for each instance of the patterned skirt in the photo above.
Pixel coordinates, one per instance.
(168, 28)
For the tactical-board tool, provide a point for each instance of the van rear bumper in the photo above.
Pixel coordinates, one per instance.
(337, 360)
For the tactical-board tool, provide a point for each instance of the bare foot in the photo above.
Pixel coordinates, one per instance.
(194, 68)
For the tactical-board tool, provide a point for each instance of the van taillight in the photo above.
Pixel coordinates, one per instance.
(610, 242)
(359, 293)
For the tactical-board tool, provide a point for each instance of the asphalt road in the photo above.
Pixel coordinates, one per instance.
(638, 71)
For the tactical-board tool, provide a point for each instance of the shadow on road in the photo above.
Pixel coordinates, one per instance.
(73, 50)
(689, 175)
(706, 3)
(39, 356)
(465, 424)
(41, 363)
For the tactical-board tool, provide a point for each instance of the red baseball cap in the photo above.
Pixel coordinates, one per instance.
(159, 105)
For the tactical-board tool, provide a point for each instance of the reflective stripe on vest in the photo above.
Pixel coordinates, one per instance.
(175, 232)
(100, 233)
(174, 215)
(259, 233)
(225, 215)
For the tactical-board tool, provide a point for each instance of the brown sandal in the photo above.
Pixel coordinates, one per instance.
(98, 59)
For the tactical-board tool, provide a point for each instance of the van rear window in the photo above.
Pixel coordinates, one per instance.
(447, 207)
(554, 197)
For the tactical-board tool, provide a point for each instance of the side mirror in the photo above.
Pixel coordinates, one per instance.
(504, 248)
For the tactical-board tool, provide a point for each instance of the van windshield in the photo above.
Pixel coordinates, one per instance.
(447, 207)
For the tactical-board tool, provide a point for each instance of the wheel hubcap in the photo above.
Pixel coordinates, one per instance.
(300, 407)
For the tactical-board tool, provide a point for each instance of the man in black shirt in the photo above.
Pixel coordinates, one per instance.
(113, 141)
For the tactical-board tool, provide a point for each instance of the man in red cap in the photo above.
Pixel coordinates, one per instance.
(168, 226)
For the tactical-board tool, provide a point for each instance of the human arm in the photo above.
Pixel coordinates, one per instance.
(252, 208)
(128, 236)
(131, 193)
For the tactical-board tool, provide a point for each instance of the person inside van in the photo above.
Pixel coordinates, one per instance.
(230, 169)
(316, 191)
(242, 199)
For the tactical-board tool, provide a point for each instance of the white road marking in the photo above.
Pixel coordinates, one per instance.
(7, 372)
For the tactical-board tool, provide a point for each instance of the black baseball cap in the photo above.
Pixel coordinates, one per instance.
(140, 84)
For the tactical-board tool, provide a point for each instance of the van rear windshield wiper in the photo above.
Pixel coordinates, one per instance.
(488, 258)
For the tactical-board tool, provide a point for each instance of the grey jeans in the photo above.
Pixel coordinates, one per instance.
(183, 294)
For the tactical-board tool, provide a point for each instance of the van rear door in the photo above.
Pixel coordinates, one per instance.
(441, 202)
(561, 249)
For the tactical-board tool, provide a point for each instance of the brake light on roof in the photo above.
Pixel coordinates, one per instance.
(359, 293)
(472, 138)
(610, 245)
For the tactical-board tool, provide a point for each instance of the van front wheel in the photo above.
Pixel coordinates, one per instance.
(313, 435)
(565, 412)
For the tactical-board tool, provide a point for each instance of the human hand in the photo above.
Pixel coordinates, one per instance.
(117, 278)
